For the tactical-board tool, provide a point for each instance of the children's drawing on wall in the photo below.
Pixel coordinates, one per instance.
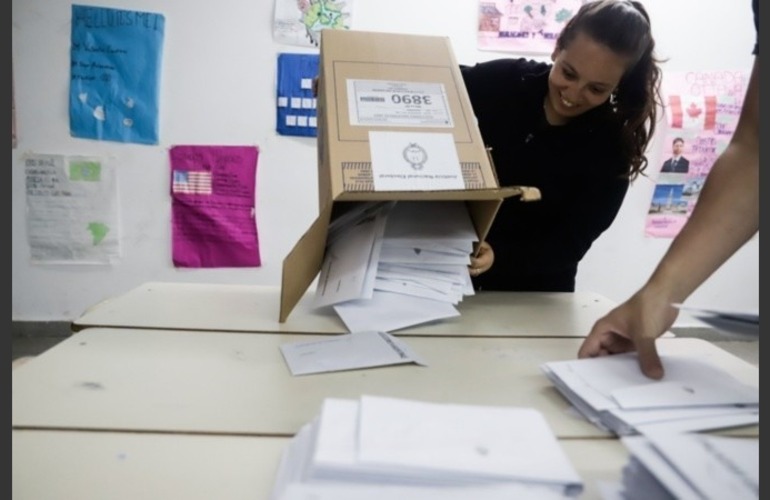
(72, 209)
(115, 60)
(213, 206)
(525, 26)
(300, 22)
(296, 106)
(701, 113)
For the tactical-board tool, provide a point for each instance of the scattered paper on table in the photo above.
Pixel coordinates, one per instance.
(742, 323)
(347, 352)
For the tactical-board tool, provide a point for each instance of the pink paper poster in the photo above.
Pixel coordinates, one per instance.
(213, 206)
(702, 111)
(525, 26)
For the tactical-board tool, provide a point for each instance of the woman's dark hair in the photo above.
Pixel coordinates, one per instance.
(624, 27)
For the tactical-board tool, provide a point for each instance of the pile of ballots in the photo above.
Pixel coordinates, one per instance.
(386, 448)
(696, 393)
(393, 264)
(669, 466)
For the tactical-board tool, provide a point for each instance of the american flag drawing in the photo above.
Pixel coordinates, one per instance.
(191, 182)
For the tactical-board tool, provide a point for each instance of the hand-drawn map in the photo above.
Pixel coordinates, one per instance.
(300, 22)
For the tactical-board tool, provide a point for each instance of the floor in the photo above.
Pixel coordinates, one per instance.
(32, 338)
(29, 338)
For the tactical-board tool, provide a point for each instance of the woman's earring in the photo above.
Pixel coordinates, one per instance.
(614, 101)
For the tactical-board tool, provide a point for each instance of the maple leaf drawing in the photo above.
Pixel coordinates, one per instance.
(694, 110)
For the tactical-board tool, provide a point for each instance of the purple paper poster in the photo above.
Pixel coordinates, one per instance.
(213, 206)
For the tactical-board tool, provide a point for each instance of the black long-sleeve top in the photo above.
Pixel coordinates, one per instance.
(578, 168)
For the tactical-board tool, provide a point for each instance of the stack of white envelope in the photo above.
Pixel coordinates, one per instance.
(690, 465)
(390, 265)
(694, 395)
(740, 323)
(402, 449)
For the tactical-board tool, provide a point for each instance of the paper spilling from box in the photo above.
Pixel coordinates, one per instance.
(391, 265)
(395, 123)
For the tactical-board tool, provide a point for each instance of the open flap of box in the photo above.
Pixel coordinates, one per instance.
(303, 262)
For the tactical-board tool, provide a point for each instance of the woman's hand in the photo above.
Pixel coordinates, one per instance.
(484, 260)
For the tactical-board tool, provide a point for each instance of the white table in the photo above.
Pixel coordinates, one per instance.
(246, 308)
(235, 383)
(52, 465)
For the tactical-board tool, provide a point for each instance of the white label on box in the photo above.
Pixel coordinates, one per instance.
(414, 161)
(396, 104)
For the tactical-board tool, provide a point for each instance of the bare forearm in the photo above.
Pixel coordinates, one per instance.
(725, 217)
(726, 214)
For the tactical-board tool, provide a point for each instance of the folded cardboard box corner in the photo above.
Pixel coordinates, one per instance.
(424, 66)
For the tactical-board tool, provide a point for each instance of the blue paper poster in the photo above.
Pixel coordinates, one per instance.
(115, 60)
(296, 104)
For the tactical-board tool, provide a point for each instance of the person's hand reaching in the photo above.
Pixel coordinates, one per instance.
(483, 261)
(633, 326)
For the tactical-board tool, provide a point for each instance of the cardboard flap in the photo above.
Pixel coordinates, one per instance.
(483, 212)
(460, 195)
(303, 262)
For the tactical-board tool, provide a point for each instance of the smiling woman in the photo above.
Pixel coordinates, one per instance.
(583, 77)
(577, 130)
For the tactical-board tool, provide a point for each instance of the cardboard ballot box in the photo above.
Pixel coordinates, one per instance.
(394, 123)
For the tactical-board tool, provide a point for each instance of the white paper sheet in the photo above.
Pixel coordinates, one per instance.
(351, 351)
(484, 441)
(740, 323)
(72, 209)
(699, 466)
(432, 221)
(388, 312)
(349, 268)
(429, 289)
(612, 393)
(347, 491)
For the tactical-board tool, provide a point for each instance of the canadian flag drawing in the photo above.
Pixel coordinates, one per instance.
(692, 112)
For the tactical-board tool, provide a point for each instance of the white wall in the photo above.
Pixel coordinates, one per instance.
(217, 87)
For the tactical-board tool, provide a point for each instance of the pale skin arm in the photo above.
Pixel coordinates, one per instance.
(724, 219)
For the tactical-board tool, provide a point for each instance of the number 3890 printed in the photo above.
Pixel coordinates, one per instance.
(391, 103)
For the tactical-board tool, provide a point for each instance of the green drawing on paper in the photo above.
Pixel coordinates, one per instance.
(563, 15)
(321, 14)
(85, 171)
(98, 231)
